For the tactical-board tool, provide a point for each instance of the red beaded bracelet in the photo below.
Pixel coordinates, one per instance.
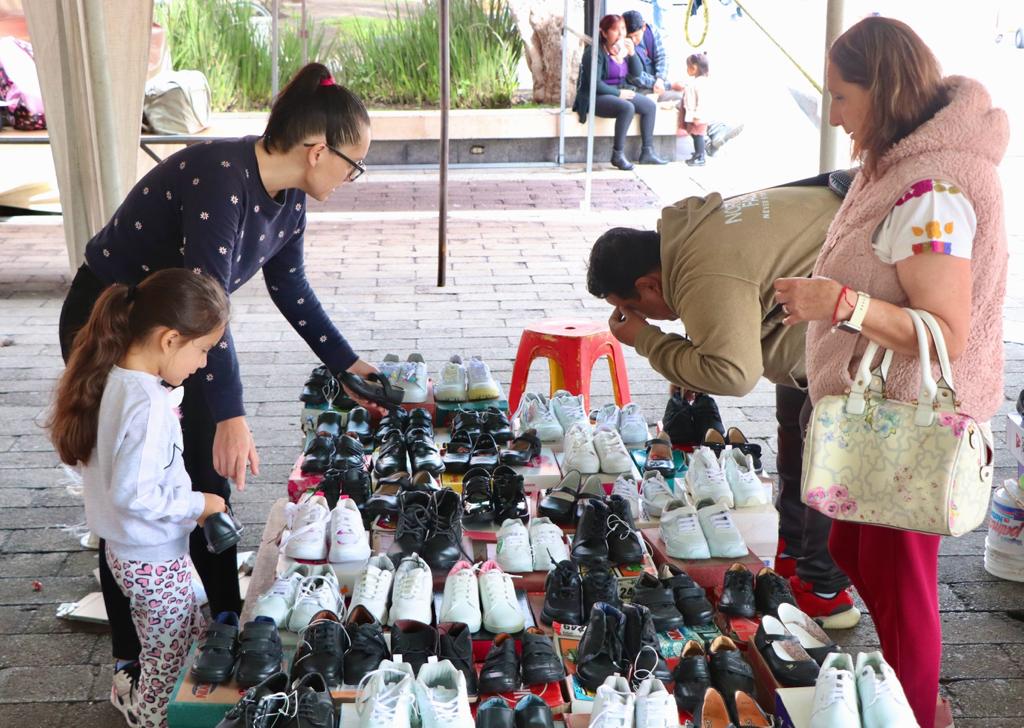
(842, 298)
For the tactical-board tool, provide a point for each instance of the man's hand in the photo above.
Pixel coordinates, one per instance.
(233, 450)
(807, 299)
(625, 325)
(659, 87)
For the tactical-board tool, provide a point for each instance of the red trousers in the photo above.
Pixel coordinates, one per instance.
(896, 574)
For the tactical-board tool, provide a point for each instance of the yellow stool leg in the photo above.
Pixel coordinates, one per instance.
(557, 376)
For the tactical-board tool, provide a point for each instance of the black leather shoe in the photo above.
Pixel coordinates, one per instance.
(730, 672)
(391, 456)
(321, 649)
(348, 453)
(423, 452)
(215, 659)
(788, 661)
(467, 421)
(413, 525)
(600, 585)
(590, 542)
(563, 595)
(737, 593)
(495, 713)
(259, 652)
(477, 503)
(421, 418)
(532, 712)
(640, 648)
(647, 156)
(358, 425)
(500, 671)
(522, 450)
(691, 599)
(508, 495)
(540, 662)
(619, 160)
(414, 641)
(771, 590)
(651, 593)
(692, 677)
(456, 645)
(243, 713)
(314, 705)
(444, 546)
(599, 654)
(330, 486)
(366, 646)
(315, 388)
(624, 545)
(374, 387)
(356, 485)
(328, 424)
(317, 456)
(705, 415)
(458, 452)
(221, 531)
(559, 504)
(496, 424)
(485, 453)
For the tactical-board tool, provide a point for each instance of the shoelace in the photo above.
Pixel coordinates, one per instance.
(565, 580)
(446, 710)
(501, 588)
(618, 526)
(409, 584)
(311, 588)
(320, 519)
(450, 373)
(722, 521)
(385, 702)
(270, 708)
(839, 686)
(686, 524)
(317, 637)
(370, 582)
(414, 520)
(613, 715)
(463, 587)
(642, 673)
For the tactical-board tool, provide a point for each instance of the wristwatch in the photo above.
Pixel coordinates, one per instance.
(856, 320)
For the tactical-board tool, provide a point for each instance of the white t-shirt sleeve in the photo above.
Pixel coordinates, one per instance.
(933, 216)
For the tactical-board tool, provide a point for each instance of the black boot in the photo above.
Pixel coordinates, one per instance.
(590, 543)
(619, 160)
(623, 537)
(563, 595)
(697, 160)
(647, 156)
(455, 645)
(444, 547)
(414, 523)
(599, 654)
(600, 585)
(640, 650)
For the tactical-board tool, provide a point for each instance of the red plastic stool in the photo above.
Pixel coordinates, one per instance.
(571, 348)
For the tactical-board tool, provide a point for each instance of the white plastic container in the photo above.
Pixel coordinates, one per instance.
(1004, 545)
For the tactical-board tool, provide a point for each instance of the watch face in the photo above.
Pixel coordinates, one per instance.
(848, 327)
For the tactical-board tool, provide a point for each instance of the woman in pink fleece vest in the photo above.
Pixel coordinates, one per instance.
(921, 227)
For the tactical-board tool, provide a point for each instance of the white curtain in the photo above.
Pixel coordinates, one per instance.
(91, 56)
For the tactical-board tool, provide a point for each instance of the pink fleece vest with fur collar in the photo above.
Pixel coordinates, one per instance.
(963, 143)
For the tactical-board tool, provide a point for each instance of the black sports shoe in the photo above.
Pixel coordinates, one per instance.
(738, 592)
(771, 590)
(414, 524)
(706, 416)
(444, 546)
(540, 662)
(600, 585)
(640, 648)
(366, 645)
(243, 713)
(215, 659)
(624, 546)
(590, 542)
(500, 671)
(563, 595)
(259, 652)
(321, 649)
(456, 645)
(600, 651)
(495, 713)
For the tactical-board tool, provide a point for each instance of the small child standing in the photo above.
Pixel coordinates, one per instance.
(114, 416)
(693, 111)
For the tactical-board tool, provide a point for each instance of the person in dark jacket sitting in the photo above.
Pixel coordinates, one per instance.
(615, 62)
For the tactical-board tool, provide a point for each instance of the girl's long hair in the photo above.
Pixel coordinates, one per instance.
(190, 303)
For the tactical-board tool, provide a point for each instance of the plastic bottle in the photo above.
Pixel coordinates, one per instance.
(1004, 545)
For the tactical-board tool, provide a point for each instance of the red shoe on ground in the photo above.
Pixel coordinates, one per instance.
(785, 566)
(835, 613)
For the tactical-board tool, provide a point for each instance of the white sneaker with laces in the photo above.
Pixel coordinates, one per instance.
(349, 541)
(548, 544)
(123, 695)
(318, 591)
(514, 552)
(606, 418)
(412, 378)
(613, 704)
(373, 587)
(389, 367)
(724, 539)
(385, 697)
(882, 700)
(481, 385)
(705, 479)
(441, 697)
(655, 706)
(747, 489)
(454, 383)
(625, 486)
(612, 452)
(277, 601)
(578, 450)
(534, 413)
(633, 424)
(569, 409)
(835, 694)
(498, 597)
(655, 493)
(461, 599)
(681, 532)
(306, 537)
(411, 591)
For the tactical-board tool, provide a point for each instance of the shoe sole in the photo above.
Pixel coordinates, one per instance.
(213, 678)
(550, 617)
(846, 619)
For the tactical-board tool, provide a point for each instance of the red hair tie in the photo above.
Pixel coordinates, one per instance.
(329, 81)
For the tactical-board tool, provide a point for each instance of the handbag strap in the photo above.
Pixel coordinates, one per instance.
(946, 394)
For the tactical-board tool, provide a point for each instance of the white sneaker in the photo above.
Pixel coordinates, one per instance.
(606, 418)
(461, 600)
(655, 706)
(655, 493)
(454, 383)
(612, 452)
(349, 541)
(633, 424)
(534, 413)
(390, 367)
(498, 597)
(411, 591)
(123, 694)
(705, 479)
(681, 532)
(306, 537)
(385, 697)
(578, 450)
(277, 601)
(724, 539)
(90, 540)
(835, 694)
(747, 488)
(613, 704)
(514, 552)
(441, 697)
(316, 592)
(569, 409)
(373, 587)
(548, 544)
(882, 701)
(412, 378)
(625, 486)
(480, 383)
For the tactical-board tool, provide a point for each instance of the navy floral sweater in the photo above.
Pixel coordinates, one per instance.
(205, 208)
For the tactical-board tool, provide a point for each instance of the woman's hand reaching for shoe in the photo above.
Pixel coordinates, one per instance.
(364, 369)
(234, 450)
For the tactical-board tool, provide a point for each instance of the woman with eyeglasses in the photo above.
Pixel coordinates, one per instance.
(230, 208)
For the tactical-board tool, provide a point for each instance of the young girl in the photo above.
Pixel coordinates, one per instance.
(115, 417)
(693, 110)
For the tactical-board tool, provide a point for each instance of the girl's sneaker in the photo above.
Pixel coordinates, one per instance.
(481, 385)
(534, 413)
(122, 692)
(454, 382)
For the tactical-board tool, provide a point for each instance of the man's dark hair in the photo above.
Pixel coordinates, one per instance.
(618, 258)
(634, 21)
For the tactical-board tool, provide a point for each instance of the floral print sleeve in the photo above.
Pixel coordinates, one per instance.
(932, 217)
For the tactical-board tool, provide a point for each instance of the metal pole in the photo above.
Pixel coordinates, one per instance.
(275, 42)
(442, 203)
(828, 142)
(595, 49)
(305, 36)
(561, 90)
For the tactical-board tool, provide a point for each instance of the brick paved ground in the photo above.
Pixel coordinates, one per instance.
(376, 276)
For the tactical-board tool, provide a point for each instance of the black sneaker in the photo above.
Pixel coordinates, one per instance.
(444, 547)
(414, 641)
(590, 542)
(640, 648)
(540, 663)
(314, 706)
(215, 658)
(243, 713)
(366, 645)
(477, 499)
(563, 595)
(738, 592)
(532, 712)
(691, 599)
(771, 590)
(624, 545)
(500, 671)
(600, 652)
(259, 652)
(321, 649)
(495, 713)
(456, 645)
(508, 495)
(414, 523)
(651, 593)
(600, 585)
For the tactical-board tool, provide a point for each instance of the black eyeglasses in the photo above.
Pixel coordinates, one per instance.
(358, 168)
